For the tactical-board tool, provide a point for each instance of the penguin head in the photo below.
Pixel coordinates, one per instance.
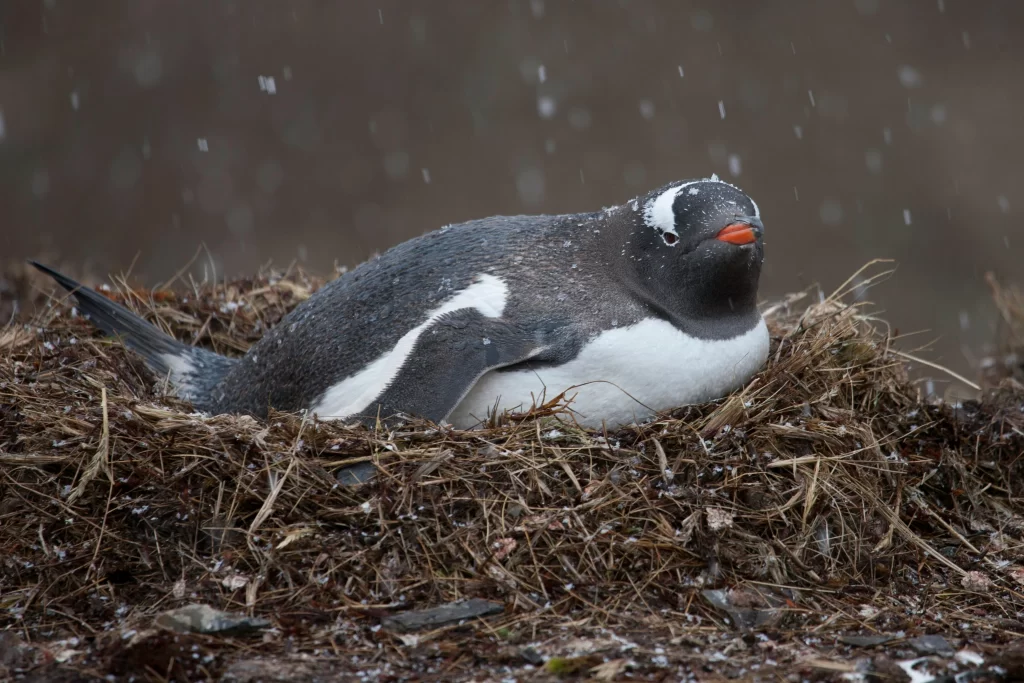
(698, 246)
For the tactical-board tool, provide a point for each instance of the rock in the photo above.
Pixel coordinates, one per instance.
(976, 581)
(444, 614)
(272, 669)
(357, 474)
(749, 609)
(865, 641)
(206, 619)
(932, 645)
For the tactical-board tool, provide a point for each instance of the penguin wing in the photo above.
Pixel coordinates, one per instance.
(451, 356)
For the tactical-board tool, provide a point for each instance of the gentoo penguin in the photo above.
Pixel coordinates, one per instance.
(636, 309)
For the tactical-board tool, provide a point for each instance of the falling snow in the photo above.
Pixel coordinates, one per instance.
(546, 106)
(268, 85)
(735, 164)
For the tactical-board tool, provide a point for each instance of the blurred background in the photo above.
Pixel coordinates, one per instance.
(320, 132)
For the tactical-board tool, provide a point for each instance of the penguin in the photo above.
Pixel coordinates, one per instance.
(633, 311)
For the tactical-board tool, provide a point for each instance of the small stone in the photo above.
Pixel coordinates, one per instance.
(444, 614)
(865, 641)
(206, 619)
(932, 645)
(748, 609)
(975, 581)
(357, 474)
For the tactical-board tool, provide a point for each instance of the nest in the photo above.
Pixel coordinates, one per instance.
(826, 495)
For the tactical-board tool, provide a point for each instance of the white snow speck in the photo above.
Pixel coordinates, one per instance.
(721, 108)
(910, 77)
(1004, 204)
(680, 71)
(426, 175)
(542, 73)
(735, 164)
(546, 106)
(968, 657)
(906, 216)
(873, 160)
(75, 102)
(831, 212)
(798, 131)
(268, 85)
(204, 145)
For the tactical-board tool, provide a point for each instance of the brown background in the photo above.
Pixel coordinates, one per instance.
(843, 115)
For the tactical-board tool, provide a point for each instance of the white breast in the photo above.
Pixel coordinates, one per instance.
(633, 372)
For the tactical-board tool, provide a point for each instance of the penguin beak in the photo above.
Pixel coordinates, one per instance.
(744, 231)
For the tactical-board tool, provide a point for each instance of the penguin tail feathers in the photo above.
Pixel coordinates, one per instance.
(193, 372)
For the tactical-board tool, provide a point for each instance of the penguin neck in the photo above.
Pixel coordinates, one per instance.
(705, 314)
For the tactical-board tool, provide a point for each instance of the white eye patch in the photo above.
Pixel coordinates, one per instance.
(660, 215)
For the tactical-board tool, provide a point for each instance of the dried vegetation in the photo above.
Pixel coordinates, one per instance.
(824, 499)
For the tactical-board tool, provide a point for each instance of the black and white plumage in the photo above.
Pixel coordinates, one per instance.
(641, 307)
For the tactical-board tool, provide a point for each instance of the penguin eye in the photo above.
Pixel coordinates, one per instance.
(669, 238)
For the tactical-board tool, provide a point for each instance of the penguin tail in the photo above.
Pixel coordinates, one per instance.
(193, 372)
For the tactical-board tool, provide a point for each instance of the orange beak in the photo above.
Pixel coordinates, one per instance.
(737, 233)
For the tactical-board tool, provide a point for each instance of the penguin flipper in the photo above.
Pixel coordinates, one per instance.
(447, 361)
(192, 371)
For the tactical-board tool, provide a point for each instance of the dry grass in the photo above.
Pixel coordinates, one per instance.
(826, 492)
(1008, 359)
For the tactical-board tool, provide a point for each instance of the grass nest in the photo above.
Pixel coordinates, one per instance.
(825, 499)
